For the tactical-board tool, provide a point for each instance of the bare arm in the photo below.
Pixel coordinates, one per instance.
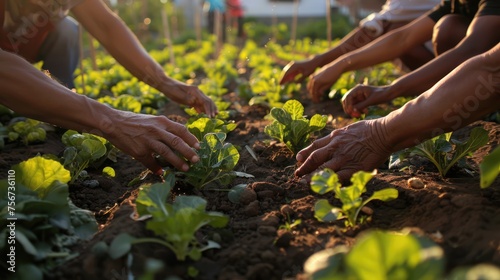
(122, 44)
(481, 36)
(31, 93)
(461, 97)
(389, 46)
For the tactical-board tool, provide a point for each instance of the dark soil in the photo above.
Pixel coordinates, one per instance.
(454, 212)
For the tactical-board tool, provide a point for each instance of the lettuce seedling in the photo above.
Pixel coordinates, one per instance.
(490, 168)
(379, 255)
(217, 161)
(202, 126)
(81, 150)
(327, 181)
(444, 151)
(174, 224)
(291, 127)
(34, 202)
(29, 131)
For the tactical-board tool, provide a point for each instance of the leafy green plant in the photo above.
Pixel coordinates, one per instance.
(38, 219)
(379, 255)
(291, 127)
(217, 161)
(444, 151)
(83, 150)
(202, 126)
(490, 168)
(28, 131)
(174, 224)
(327, 181)
(288, 225)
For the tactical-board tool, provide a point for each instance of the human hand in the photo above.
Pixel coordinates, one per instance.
(192, 96)
(145, 136)
(302, 69)
(322, 81)
(359, 146)
(357, 100)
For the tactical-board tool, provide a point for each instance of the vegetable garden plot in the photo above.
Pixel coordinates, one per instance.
(259, 241)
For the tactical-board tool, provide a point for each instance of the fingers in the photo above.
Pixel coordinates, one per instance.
(210, 108)
(317, 88)
(289, 73)
(313, 156)
(353, 101)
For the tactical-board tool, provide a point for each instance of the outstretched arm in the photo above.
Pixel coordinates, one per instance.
(461, 97)
(389, 46)
(481, 36)
(31, 93)
(122, 44)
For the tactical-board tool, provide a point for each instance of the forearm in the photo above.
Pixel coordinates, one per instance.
(385, 48)
(354, 40)
(133, 57)
(31, 93)
(463, 96)
(425, 77)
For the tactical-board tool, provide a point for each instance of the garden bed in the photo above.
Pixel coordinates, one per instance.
(454, 212)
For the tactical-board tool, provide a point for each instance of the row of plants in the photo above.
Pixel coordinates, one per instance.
(176, 220)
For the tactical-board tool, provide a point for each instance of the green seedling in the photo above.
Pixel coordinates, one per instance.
(35, 209)
(379, 255)
(28, 131)
(217, 161)
(291, 127)
(327, 181)
(202, 126)
(174, 224)
(490, 168)
(288, 226)
(444, 151)
(82, 150)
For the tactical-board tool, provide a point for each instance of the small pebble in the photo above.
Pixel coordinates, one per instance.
(416, 183)
(90, 183)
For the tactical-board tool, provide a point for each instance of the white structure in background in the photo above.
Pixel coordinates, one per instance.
(266, 9)
(270, 8)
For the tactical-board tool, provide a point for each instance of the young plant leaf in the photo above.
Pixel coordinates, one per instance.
(38, 173)
(490, 168)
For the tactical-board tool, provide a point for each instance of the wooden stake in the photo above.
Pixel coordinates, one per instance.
(328, 23)
(166, 30)
(218, 32)
(198, 14)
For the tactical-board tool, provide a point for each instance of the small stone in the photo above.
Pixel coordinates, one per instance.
(367, 210)
(90, 183)
(416, 183)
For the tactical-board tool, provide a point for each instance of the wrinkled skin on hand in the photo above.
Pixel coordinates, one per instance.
(359, 146)
(144, 136)
(357, 100)
(322, 81)
(292, 70)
